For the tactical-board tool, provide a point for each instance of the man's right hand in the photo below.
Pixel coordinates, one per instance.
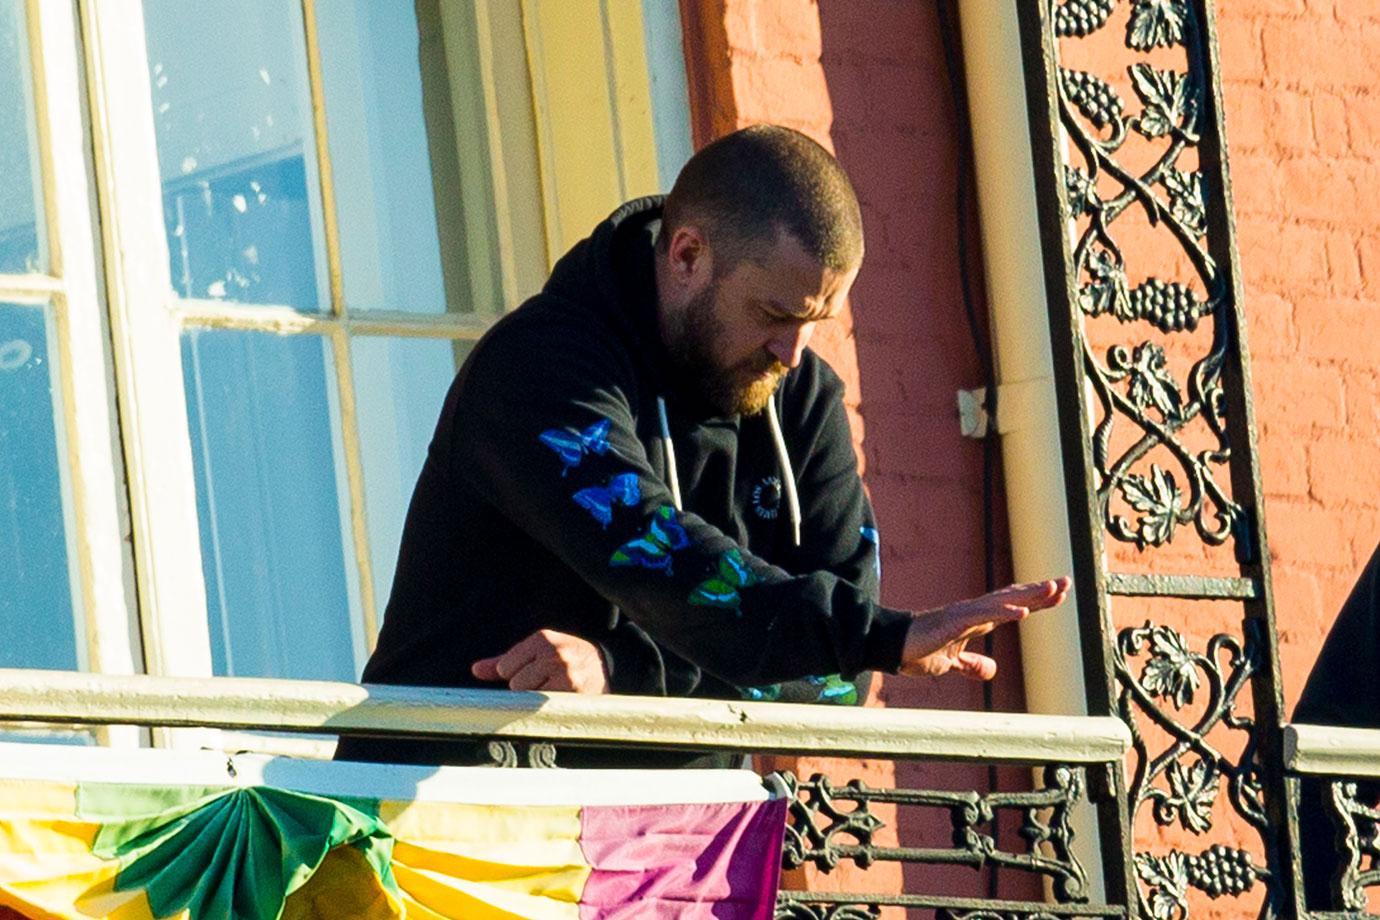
(936, 640)
(548, 660)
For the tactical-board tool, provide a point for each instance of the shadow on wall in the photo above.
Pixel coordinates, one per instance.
(895, 131)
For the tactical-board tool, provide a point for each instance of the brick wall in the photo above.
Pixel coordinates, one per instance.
(1299, 76)
(867, 79)
(1301, 85)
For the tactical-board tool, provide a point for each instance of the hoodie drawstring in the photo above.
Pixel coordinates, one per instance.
(668, 451)
(787, 474)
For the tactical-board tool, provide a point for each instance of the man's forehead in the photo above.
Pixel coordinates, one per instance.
(808, 307)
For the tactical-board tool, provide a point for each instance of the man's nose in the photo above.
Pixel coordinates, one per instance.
(789, 346)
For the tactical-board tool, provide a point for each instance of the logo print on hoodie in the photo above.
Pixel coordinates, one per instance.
(571, 448)
(766, 498)
(664, 536)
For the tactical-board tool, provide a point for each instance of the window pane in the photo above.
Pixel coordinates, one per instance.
(37, 608)
(22, 246)
(399, 387)
(389, 241)
(270, 500)
(236, 151)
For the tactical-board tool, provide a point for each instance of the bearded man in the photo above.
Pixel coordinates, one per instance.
(643, 481)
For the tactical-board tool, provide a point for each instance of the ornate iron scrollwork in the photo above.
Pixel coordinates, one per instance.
(1151, 376)
(539, 754)
(1134, 383)
(985, 914)
(803, 910)
(1181, 782)
(1358, 842)
(828, 824)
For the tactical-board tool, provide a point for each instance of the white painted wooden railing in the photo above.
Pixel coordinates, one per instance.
(326, 707)
(1325, 750)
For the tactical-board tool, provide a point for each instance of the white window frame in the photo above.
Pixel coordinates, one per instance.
(92, 474)
(119, 322)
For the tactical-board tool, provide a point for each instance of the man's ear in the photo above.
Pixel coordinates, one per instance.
(689, 257)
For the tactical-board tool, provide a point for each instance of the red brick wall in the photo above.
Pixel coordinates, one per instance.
(1299, 78)
(1302, 86)
(867, 79)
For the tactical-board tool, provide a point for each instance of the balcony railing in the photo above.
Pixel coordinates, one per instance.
(1077, 760)
(829, 823)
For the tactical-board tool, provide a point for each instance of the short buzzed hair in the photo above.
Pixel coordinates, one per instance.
(745, 187)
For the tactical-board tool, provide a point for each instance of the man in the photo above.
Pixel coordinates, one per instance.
(643, 481)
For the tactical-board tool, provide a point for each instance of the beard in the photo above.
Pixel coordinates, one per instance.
(743, 388)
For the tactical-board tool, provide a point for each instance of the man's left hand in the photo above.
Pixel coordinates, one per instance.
(548, 660)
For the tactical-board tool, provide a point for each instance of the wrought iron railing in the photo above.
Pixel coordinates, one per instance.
(1147, 322)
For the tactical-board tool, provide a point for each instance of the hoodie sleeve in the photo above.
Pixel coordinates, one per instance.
(636, 664)
(544, 430)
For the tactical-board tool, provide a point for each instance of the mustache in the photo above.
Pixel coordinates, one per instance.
(768, 365)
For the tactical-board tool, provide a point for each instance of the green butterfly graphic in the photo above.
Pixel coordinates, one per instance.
(831, 688)
(653, 551)
(834, 689)
(722, 589)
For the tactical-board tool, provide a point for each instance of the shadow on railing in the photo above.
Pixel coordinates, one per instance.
(1075, 759)
(1334, 775)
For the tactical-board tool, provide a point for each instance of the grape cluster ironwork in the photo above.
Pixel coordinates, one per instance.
(1133, 384)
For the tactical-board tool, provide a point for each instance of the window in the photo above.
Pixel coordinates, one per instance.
(308, 213)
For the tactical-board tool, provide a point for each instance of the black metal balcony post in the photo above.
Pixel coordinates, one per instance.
(1132, 434)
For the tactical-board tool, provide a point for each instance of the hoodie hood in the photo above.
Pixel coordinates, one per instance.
(612, 273)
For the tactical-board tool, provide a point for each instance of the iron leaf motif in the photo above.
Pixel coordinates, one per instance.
(1108, 292)
(1156, 24)
(1192, 792)
(1159, 500)
(1171, 672)
(1079, 188)
(1151, 383)
(1167, 878)
(1166, 97)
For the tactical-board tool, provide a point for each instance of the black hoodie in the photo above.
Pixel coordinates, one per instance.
(544, 502)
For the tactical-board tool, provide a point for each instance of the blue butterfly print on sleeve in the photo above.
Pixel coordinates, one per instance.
(572, 447)
(622, 489)
(664, 536)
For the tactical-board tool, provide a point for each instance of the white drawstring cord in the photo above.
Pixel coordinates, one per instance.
(782, 457)
(668, 450)
(787, 473)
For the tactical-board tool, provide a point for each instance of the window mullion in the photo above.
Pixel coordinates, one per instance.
(354, 473)
(340, 342)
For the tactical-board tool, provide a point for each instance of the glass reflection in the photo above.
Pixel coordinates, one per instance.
(399, 387)
(236, 151)
(389, 243)
(274, 525)
(37, 607)
(22, 246)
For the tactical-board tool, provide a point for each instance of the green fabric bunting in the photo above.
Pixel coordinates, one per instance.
(227, 852)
